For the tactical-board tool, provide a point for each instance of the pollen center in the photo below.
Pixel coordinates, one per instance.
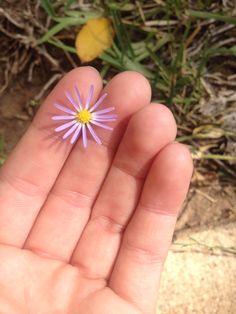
(84, 116)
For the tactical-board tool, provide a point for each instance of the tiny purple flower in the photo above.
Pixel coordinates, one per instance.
(81, 118)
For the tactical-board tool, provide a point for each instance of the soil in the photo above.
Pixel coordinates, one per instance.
(200, 272)
(14, 118)
(197, 279)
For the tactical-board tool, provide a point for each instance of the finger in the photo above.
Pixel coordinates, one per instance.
(32, 168)
(67, 210)
(147, 238)
(148, 131)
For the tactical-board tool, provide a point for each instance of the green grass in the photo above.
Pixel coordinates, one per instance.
(154, 38)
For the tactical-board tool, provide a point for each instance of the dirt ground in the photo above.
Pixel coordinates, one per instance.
(198, 279)
(200, 271)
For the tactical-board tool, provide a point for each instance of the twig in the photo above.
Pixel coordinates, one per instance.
(11, 19)
(52, 80)
(205, 195)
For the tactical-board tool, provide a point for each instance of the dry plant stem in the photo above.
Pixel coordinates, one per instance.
(27, 39)
(203, 227)
(203, 248)
(31, 69)
(6, 78)
(49, 83)
(11, 19)
(70, 59)
(207, 196)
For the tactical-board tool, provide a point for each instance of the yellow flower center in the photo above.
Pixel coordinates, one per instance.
(84, 116)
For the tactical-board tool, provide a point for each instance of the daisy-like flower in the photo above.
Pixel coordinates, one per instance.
(81, 119)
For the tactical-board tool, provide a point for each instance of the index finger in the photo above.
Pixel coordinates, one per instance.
(31, 170)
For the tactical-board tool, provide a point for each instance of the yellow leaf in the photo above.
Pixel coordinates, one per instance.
(93, 38)
(208, 131)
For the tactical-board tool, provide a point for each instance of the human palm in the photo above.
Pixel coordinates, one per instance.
(88, 230)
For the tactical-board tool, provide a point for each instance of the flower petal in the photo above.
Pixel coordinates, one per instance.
(76, 134)
(64, 109)
(58, 118)
(94, 135)
(84, 136)
(104, 116)
(104, 110)
(71, 130)
(65, 126)
(89, 98)
(71, 100)
(79, 98)
(102, 125)
(98, 103)
(104, 120)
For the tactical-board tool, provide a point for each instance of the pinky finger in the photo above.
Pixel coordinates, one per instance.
(146, 241)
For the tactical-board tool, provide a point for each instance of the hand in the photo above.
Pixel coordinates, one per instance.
(88, 230)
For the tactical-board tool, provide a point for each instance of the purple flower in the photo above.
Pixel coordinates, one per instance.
(81, 118)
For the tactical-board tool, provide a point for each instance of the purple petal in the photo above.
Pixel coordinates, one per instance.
(84, 136)
(104, 116)
(79, 98)
(64, 109)
(63, 118)
(71, 100)
(76, 134)
(94, 135)
(65, 126)
(98, 103)
(102, 125)
(104, 110)
(104, 120)
(71, 130)
(89, 98)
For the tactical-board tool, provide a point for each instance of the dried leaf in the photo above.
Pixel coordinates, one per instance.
(208, 131)
(93, 38)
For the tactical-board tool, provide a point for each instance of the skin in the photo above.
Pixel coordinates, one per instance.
(88, 230)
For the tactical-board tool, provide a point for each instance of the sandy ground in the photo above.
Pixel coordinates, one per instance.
(199, 281)
(200, 271)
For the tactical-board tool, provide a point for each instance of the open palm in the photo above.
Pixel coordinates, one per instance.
(88, 230)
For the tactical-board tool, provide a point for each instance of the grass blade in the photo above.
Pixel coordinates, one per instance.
(214, 16)
(46, 4)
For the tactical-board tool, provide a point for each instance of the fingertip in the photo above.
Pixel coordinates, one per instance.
(85, 76)
(139, 84)
(86, 70)
(157, 121)
(178, 158)
(134, 84)
(170, 176)
(166, 118)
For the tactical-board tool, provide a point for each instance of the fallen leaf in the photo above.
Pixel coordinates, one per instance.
(93, 38)
(208, 131)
